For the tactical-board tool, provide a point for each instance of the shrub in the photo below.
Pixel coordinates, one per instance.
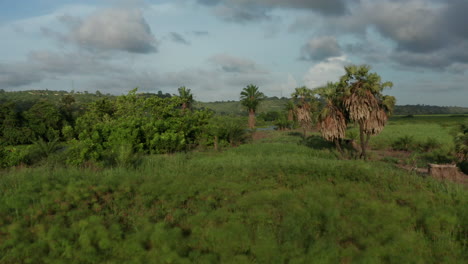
(439, 156)
(283, 124)
(431, 143)
(405, 143)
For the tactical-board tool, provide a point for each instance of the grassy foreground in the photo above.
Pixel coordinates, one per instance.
(269, 202)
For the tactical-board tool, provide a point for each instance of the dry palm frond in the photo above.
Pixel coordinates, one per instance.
(332, 124)
(375, 123)
(360, 106)
(303, 115)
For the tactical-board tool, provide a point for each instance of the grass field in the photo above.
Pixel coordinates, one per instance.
(275, 200)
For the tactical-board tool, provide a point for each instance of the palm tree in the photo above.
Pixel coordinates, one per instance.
(332, 120)
(364, 102)
(290, 107)
(304, 98)
(186, 97)
(251, 98)
(461, 143)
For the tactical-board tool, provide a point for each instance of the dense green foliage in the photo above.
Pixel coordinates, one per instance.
(134, 124)
(107, 131)
(269, 202)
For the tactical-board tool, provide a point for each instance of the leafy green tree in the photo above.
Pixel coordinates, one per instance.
(115, 132)
(12, 128)
(364, 102)
(66, 105)
(251, 98)
(45, 120)
(186, 97)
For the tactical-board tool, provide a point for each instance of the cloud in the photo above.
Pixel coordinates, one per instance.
(242, 10)
(176, 37)
(108, 29)
(116, 29)
(320, 48)
(232, 64)
(46, 65)
(239, 14)
(201, 33)
(414, 25)
(328, 71)
(18, 75)
(422, 33)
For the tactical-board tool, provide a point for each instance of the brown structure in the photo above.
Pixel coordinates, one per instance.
(446, 172)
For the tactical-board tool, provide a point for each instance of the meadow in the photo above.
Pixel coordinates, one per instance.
(277, 199)
(146, 178)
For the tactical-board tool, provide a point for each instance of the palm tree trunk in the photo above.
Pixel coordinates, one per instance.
(290, 115)
(367, 140)
(251, 118)
(363, 141)
(216, 143)
(338, 146)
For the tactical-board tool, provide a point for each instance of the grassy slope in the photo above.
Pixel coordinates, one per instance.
(273, 201)
(235, 107)
(421, 128)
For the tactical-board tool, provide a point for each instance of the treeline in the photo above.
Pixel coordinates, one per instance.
(25, 99)
(429, 110)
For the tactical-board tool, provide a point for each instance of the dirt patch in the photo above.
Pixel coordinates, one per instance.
(257, 135)
(447, 172)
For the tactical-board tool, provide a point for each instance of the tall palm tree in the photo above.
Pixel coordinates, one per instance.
(364, 102)
(251, 98)
(305, 104)
(332, 119)
(290, 108)
(186, 97)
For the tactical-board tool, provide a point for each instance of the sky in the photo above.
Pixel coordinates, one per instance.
(217, 47)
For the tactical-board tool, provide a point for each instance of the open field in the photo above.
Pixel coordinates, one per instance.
(272, 201)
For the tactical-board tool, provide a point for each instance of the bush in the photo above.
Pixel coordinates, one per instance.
(439, 156)
(283, 124)
(404, 143)
(430, 144)
(17, 155)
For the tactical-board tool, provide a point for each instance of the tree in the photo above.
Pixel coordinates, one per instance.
(461, 143)
(332, 118)
(251, 98)
(364, 103)
(45, 120)
(305, 104)
(290, 107)
(186, 97)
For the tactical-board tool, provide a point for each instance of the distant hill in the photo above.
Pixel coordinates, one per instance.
(428, 110)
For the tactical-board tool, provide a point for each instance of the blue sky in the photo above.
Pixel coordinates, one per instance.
(217, 47)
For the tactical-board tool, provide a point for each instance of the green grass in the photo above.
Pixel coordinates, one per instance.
(274, 201)
(439, 127)
(235, 107)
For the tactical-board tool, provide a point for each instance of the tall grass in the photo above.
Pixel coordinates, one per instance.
(269, 202)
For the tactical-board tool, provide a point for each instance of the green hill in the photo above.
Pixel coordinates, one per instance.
(273, 201)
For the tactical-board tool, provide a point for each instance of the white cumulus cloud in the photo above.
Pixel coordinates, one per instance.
(115, 29)
(327, 71)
